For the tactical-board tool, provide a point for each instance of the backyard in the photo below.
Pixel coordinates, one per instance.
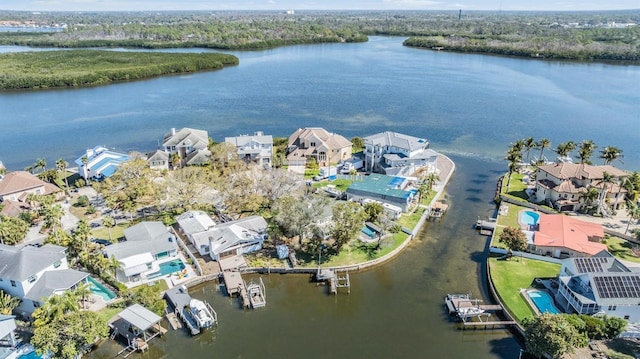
(509, 276)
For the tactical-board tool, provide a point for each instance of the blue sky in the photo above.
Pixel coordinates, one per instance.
(132, 5)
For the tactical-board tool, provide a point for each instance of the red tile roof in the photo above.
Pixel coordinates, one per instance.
(558, 230)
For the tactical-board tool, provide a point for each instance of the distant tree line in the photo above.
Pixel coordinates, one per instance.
(48, 69)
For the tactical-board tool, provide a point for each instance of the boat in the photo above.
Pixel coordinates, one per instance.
(466, 312)
(452, 301)
(256, 294)
(201, 313)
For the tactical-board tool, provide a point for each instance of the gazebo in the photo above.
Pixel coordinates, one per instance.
(137, 325)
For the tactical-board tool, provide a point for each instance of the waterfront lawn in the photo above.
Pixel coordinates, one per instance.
(341, 184)
(622, 249)
(410, 220)
(510, 220)
(117, 232)
(309, 174)
(426, 200)
(518, 273)
(516, 186)
(109, 312)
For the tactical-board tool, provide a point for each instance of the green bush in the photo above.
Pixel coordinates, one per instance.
(91, 210)
(83, 201)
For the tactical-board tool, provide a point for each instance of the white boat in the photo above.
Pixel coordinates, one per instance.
(466, 312)
(202, 313)
(256, 292)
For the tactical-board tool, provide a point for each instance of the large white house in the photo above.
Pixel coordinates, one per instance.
(394, 154)
(256, 148)
(191, 145)
(148, 245)
(599, 284)
(197, 227)
(34, 274)
(562, 185)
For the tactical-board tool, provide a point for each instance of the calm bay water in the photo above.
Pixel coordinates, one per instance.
(468, 106)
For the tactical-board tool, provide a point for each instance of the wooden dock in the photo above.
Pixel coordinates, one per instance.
(173, 321)
(458, 304)
(335, 280)
(486, 227)
(488, 324)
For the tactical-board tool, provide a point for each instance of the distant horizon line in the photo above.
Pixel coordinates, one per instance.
(325, 10)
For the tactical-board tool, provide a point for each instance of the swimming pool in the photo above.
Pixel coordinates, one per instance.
(529, 218)
(543, 301)
(169, 267)
(98, 289)
(369, 232)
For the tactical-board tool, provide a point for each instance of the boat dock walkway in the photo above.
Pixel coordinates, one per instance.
(467, 308)
(486, 227)
(335, 280)
(179, 299)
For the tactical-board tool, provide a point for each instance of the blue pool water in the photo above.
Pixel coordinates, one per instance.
(543, 302)
(171, 267)
(97, 288)
(529, 218)
(369, 232)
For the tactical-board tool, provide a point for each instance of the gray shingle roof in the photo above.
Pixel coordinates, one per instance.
(389, 138)
(57, 280)
(187, 137)
(145, 237)
(21, 263)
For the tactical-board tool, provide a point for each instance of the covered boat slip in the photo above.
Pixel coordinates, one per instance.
(137, 325)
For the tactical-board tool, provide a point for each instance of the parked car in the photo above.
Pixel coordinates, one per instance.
(101, 241)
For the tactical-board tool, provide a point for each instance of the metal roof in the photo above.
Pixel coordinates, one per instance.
(140, 317)
(379, 184)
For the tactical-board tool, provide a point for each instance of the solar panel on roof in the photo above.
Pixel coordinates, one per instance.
(618, 286)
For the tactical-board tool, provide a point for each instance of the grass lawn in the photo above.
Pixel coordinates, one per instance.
(621, 249)
(510, 220)
(516, 186)
(341, 184)
(309, 174)
(426, 200)
(410, 221)
(108, 313)
(512, 275)
(117, 232)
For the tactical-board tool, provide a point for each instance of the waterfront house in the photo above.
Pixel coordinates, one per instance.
(237, 237)
(147, 246)
(35, 273)
(562, 184)
(599, 284)
(99, 163)
(158, 160)
(16, 186)
(189, 144)
(391, 190)
(559, 235)
(396, 154)
(197, 226)
(314, 142)
(257, 148)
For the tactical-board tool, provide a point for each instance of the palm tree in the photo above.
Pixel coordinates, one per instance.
(590, 196)
(61, 166)
(431, 179)
(631, 183)
(607, 179)
(529, 144)
(585, 151)
(610, 154)
(8, 303)
(563, 149)
(109, 222)
(85, 170)
(634, 214)
(114, 264)
(82, 291)
(56, 306)
(40, 164)
(514, 158)
(542, 144)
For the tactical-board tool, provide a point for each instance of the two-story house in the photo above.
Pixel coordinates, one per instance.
(99, 163)
(197, 227)
(33, 274)
(191, 145)
(314, 142)
(148, 245)
(158, 160)
(562, 185)
(256, 148)
(393, 153)
(599, 284)
(16, 186)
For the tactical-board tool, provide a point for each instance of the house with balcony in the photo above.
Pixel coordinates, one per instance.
(325, 147)
(33, 274)
(99, 163)
(191, 146)
(393, 191)
(562, 185)
(142, 255)
(599, 285)
(256, 148)
(197, 227)
(396, 154)
(563, 236)
(16, 186)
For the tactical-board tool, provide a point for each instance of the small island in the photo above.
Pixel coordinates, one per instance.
(78, 68)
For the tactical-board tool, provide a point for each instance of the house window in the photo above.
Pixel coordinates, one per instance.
(312, 144)
(32, 278)
(13, 283)
(612, 307)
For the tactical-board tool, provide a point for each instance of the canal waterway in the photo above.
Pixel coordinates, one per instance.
(469, 106)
